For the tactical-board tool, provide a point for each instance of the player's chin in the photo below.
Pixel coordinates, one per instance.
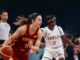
(38, 26)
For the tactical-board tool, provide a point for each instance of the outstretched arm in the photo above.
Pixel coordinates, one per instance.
(66, 40)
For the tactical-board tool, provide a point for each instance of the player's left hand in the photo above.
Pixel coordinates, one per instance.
(77, 48)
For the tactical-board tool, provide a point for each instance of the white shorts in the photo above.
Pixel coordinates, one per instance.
(51, 53)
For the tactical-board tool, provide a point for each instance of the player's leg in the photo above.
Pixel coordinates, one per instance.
(60, 54)
(60, 57)
(47, 55)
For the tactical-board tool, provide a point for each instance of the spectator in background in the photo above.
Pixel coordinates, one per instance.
(77, 42)
(4, 27)
(20, 20)
(69, 49)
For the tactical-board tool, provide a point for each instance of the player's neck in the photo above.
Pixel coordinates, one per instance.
(33, 27)
(3, 21)
(51, 28)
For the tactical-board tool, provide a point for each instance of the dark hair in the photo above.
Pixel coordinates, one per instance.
(32, 17)
(3, 11)
(49, 17)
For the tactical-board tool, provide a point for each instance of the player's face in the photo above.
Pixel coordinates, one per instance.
(4, 16)
(21, 19)
(52, 22)
(38, 21)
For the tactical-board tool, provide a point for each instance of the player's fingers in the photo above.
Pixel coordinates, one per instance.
(77, 49)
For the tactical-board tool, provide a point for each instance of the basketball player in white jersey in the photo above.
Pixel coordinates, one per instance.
(4, 26)
(54, 36)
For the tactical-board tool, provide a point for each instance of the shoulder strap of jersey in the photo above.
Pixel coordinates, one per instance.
(37, 30)
(27, 28)
(59, 30)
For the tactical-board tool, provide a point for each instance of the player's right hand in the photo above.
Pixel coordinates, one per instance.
(30, 44)
(77, 48)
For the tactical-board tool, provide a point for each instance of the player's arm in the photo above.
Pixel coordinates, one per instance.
(66, 40)
(76, 47)
(12, 39)
(38, 41)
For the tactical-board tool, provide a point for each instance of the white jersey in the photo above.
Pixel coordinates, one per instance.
(4, 30)
(53, 37)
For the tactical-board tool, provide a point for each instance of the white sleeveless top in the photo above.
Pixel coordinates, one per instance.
(53, 37)
(4, 30)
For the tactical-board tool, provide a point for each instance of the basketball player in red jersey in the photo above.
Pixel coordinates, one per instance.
(26, 38)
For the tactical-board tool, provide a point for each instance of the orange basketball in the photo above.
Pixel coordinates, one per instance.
(6, 51)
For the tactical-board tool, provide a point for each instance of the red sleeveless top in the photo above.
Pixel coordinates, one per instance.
(21, 43)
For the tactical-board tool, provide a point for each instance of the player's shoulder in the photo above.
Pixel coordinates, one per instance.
(40, 30)
(22, 27)
(59, 27)
(44, 28)
(8, 25)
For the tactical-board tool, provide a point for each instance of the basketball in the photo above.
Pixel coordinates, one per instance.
(6, 51)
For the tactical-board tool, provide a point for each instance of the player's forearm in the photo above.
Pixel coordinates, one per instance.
(8, 42)
(66, 40)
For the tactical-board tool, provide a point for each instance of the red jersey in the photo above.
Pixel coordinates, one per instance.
(21, 43)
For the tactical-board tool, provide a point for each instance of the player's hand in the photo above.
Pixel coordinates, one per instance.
(11, 58)
(77, 48)
(30, 44)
